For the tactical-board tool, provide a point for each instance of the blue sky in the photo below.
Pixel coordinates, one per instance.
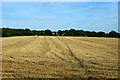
(92, 16)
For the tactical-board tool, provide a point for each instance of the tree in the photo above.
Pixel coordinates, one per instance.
(113, 34)
(7, 32)
(48, 32)
(101, 34)
(60, 32)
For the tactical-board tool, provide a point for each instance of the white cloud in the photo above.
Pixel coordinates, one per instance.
(91, 7)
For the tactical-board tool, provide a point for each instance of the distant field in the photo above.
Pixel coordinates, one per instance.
(59, 57)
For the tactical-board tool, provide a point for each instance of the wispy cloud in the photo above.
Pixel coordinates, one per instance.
(76, 4)
(52, 4)
(99, 7)
(47, 4)
(92, 7)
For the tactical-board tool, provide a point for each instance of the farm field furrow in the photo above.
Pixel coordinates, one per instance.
(59, 57)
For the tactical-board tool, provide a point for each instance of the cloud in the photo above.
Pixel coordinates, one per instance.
(46, 4)
(76, 4)
(106, 7)
(50, 4)
(98, 7)
(48, 14)
(91, 7)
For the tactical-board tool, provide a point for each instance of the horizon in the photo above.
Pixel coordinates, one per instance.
(87, 16)
(58, 30)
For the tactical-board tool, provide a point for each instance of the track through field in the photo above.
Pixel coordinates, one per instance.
(59, 57)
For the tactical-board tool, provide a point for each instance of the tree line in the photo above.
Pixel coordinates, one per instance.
(7, 32)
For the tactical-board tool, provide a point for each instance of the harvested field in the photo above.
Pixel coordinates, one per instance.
(59, 57)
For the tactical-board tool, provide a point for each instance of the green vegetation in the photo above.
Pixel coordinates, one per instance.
(7, 32)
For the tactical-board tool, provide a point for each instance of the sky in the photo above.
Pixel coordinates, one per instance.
(88, 16)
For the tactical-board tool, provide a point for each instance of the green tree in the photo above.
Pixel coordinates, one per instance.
(101, 34)
(48, 32)
(113, 34)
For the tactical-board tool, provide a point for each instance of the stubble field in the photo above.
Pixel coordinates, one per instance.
(59, 57)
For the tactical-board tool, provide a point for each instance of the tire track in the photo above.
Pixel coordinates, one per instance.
(47, 45)
(59, 57)
(60, 53)
(56, 56)
(90, 46)
(99, 64)
(46, 48)
(37, 42)
(80, 63)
